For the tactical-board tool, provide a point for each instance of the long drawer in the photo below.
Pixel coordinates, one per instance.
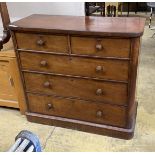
(41, 42)
(96, 68)
(103, 47)
(115, 93)
(78, 109)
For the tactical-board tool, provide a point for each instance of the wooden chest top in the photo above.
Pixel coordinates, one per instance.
(105, 26)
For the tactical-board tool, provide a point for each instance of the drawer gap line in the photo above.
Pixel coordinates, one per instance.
(75, 76)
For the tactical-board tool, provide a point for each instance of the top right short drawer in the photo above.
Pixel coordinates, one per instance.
(102, 47)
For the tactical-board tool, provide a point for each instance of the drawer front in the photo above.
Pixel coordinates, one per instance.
(101, 47)
(97, 68)
(39, 42)
(78, 109)
(115, 93)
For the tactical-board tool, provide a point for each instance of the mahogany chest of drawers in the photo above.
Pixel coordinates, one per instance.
(80, 72)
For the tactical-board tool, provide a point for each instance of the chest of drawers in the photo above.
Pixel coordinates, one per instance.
(80, 72)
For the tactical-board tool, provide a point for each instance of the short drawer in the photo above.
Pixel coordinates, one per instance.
(41, 42)
(86, 67)
(115, 93)
(101, 47)
(78, 109)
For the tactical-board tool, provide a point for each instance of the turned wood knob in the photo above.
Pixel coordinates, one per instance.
(99, 92)
(50, 106)
(99, 47)
(43, 63)
(47, 84)
(99, 68)
(40, 42)
(99, 113)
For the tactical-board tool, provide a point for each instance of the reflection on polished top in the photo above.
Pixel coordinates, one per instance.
(107, 26)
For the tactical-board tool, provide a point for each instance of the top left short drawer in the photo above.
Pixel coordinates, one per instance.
(42, 42)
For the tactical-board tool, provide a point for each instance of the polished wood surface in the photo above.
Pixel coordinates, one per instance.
(11, 92)
(102, 129)
(135, 50)
(101, 47)
(121, 27)
(77, 88)
(41, 42)
(89, 72)
(95, 68)
(78, 109)
(7, 91)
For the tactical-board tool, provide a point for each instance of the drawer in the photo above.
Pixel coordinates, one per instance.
(40, 42)
(96, 68)
(115, 93)
(101, 47)
(78, 109)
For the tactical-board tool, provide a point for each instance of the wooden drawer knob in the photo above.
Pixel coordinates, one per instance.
(47, 84)
(99, 92)
(99, 113)
(99, 47)
(40, 42)
(50, 106)
(99, 68)
(43, 63)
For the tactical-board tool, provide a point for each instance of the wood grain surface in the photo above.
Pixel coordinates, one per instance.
(114, 26)
(76, 66)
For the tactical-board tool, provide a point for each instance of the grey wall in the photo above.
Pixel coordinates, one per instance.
(19, 10)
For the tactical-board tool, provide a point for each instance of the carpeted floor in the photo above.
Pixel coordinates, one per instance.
(59, 139)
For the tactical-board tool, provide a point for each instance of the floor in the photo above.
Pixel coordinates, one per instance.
(65, 140)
